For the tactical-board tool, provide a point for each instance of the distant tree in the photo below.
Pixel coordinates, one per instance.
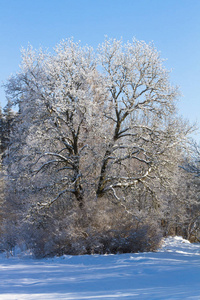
(190, 166)
(1, 129)
(6, 118)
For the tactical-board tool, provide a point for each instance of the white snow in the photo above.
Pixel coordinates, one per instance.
(173, 272)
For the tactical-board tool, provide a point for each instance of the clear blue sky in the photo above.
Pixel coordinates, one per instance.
(173, 26)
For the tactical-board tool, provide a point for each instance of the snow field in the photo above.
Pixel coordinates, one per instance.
(173, 272)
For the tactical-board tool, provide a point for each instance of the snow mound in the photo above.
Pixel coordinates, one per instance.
(179, 245)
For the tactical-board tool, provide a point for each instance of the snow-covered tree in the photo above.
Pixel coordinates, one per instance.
(93, 129)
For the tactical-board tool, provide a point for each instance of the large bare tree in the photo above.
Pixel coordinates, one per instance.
(102, 121)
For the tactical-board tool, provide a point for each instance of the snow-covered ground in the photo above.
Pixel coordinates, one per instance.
(171, 273)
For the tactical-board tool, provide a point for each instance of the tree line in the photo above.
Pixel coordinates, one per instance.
(96, 158)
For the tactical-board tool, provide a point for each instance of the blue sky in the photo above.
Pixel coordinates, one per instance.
(173, 26)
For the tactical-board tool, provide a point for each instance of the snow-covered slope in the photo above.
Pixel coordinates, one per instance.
(171, 273)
